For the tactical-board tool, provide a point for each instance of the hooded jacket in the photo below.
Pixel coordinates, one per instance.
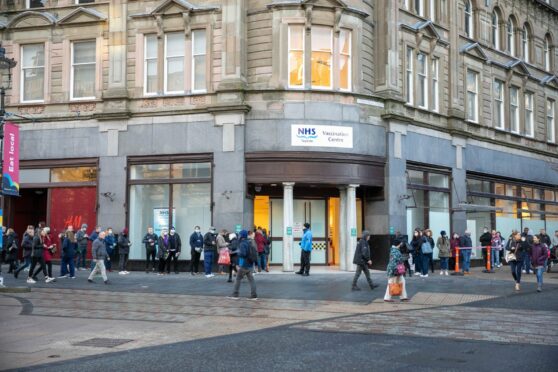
(362, 251)
(539, 254)
(443, 245)
(123, 243)
(99, 250)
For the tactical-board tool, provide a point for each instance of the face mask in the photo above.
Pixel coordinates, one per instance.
(212, 231)
(110, 231)
(522, 238)
(172, 232)
(197, 230)
(485, 231)
(165, 233)
(416, 234)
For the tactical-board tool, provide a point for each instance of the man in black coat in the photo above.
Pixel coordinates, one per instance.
(362, 259)
(485, 241)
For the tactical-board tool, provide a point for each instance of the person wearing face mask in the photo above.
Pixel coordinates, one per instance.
(466, 243)
(196, 247)
(174, 250)
(124, 250)
(209, 249)
(416, 252)
(516, 249)
(110, 243)
(150, 241)
(163, 253)
(485, 241)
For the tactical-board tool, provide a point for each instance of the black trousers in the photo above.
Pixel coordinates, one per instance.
(195, 264)
(305, 261)
(149, 257)
(162, 263)
(174, 258)
(42, 266)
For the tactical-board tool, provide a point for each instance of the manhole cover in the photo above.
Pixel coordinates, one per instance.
(103, 342)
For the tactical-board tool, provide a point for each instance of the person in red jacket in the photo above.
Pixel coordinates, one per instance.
(260, 243)
(539, 255)
(48, 252)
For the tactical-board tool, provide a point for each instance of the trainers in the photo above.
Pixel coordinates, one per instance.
(121, 273)
(523, 271)
(253, 298)
(208, 275)
(72, 277)
(517, 287)
(441, 272)
(446, 273)
(232, 297)
(355, 288)
(90, 280)
(417, 273)
(48, 279)
(64, 276)
(31, 281)
(107, 282)
(126, 272)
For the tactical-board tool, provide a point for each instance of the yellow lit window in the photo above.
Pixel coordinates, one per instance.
(321, 57)
(345, 60)
(296, 56)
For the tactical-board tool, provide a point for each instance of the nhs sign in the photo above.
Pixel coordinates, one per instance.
(321, 136)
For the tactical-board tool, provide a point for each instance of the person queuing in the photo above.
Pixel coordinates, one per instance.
(444, 252)
(49, 250)
(496, 244)
(466, 244)
(123, 250)
(196, 247)
(394, 277)
(254, 247)
(427, 249)
(82, 240)
(222, 248)
(38, 247)
(209, 249)
(110, 244)
(362, 259)
(163, 252)
(12, 250)
(69, 251)
(233, 247)
(528, 239)
(516, 249)
(260, 243)
(150, 241)
(454, 247)
(485, 241)
(246, 260)
(99, 254)
(267, 248)
(175, 248)
(539, 256)
(27, 246)
(305, 250)
(416, 253)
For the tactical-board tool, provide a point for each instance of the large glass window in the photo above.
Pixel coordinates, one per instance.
(174, 62)
(321, 59)
(499, 104)
(296, 56)
(83, 69)
(199, 60)
(550, 125)
(529, 116)
(422, 78)
(409, 75)
(472, 96)
(345, 60)
(32, 72)
(514, 109)
(150, 65)
(73, 174)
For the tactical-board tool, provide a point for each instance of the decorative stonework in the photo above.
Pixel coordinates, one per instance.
(176, 101)
(149, 103)
(82, 107)
(198, 100)
(31, 110)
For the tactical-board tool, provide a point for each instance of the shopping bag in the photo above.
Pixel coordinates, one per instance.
(224, 257)
(395, 287)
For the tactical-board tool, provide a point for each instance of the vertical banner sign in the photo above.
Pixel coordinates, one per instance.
(10, 172)
(1, 224)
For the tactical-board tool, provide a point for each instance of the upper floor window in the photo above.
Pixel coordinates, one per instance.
(174, 62)
(510, 30)
(422, 80)
(550, 125)
(499, 104)
(83, 70)
(150, 81)
(84, 1)
(514, 109)
(472, 96)
(199, 60)
(30, 4)
(468, 18)
(432, 10)
(320, 59)
(419, 7)
(32, 72)
(529, 115)
(525, 37)
(409, 75)
(435, 84)
(496, 30)
(547, 51)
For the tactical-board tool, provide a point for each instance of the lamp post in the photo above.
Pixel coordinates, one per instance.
(5, 63)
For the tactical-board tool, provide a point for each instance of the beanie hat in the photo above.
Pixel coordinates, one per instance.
(84, 226)
(125, 231)
(244, 234)
(443, 233)
(307, 225)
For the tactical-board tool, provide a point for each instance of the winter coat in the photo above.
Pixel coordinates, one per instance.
(545, 239)
(110, 243)
(233, 247)
(196, 241)
(150, 246)
(260, 242)
(443, 245)
(27, 245)
(99, 250)
(415, 245)
(539, 254)
(175, 243)
(362, 251)
(209, 242)
(519, 248)
(38, 247)
(486, 239)
(243, 252)
(306, 242)
(123, 244)
(11, 247)
(454, 244)
(69, 248)
(47, 253)
(395, 259)
(81, 240)
(465, 242)
(163, 246)
(221, 243)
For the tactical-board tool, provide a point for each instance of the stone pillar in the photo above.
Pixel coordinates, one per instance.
(342, 228)
(233, 70)
(351, 227)
(288, 226)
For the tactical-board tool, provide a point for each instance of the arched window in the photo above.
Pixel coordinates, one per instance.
(468, 10)
(547, 53)
(510, 30)
(496, 30)
(525, 41)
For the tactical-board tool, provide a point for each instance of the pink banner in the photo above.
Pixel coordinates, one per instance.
(10, 172)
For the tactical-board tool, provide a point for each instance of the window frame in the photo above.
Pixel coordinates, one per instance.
(552, 117)
(22, 75)
(526, 47)
(410, 74)
(422, 78)
(547, 53)
(500, 104)
(514, 110)
(529, 114)
(303, 83)
(468, 24)
(435, 63)
(72, 45)
(193, 69)
(349, 60)
(496, 42)
(145, 60)
(476, 118)
(330, 30)
(510, 32)
(165, 69)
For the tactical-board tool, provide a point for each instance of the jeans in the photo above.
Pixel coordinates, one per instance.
(466, 260)
(242, 271)
(67, 261)
(123, 261)
(195, 264)
(516, 270)
(359, 269)
(174, 258)
(527, 263)
(207, 261)
(108, 263)
(539, 270)
(444, 263)
(150, 257)
(426, 260)
(261, 261)
(99, 267)
(81, 257)
(495, 257)
(22, 267)
(417, 260)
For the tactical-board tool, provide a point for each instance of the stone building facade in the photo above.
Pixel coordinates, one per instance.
(384, 115)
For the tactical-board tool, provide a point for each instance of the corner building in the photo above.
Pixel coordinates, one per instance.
(384, 115)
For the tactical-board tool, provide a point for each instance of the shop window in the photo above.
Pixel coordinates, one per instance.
(549, 195)
(438, 180)
(32, 72)
(511, 190)
(34, 175)
(74, 174)
(191, 170)
(499, 189)
(478, 186)
(83, 70)
(149, 171)
(416, 177)
(321, 60)
(527, 192)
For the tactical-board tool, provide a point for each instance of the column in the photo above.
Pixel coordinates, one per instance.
(351, 227)
(288, 226)
(342, 228)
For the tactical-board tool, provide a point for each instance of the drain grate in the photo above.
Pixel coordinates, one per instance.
(103, 342)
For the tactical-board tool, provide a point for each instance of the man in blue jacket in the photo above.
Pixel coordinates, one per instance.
(305, 250)
(244, 267)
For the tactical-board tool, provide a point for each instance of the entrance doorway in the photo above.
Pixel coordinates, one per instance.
(29, 209)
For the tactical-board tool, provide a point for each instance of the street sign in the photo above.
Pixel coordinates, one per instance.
(289, 230)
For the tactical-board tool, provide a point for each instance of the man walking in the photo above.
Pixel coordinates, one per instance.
(196, 247)
(244, 268)
(362, 260)
(209, 249)
(305, 250)
(99, 254)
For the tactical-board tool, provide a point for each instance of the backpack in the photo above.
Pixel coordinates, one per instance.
(252, 256)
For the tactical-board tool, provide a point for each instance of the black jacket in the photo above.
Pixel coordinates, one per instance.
(196, 241)
(465, 242)
(362, 252)
(486, 239)
(123, 244)
(27, 245)
(37, 247)
(148, 245)
(11, 247)
(175, 243)
(209, 242)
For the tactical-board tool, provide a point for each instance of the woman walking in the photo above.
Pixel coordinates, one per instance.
(443, 245)
(233, 246)
(514, 256)
(49, 250)
(539, 255)
(395, 277)
(69, 250)
(37, 258)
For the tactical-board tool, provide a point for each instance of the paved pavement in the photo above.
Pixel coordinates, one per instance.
(146, 322)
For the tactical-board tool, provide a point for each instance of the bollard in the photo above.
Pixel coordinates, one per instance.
(488, 269)
(457, 271)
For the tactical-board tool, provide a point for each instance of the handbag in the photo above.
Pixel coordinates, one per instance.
(224, 257)
(426, 248)
(400, 269)
(395, 288)
(510, 256)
